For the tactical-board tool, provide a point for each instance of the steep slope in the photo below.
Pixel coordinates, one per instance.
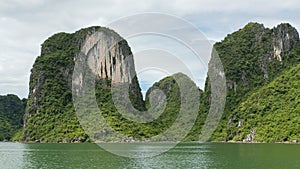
(271, 114)
(11, 115)
(252, 57)
(50, 114)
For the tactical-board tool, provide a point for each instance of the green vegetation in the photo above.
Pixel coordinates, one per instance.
(262, 96)
(50, 115)
(11, 116)
(273, 111)
(249, 64)
(142, 131)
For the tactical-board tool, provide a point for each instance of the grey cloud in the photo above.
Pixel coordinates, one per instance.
(26, 24)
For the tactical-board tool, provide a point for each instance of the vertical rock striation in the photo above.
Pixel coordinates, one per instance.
(109, 56)
(50, 114)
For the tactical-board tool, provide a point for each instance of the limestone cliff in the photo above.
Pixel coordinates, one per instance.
(252, 57)
(50, 114)
(284, 39)
(106, 57)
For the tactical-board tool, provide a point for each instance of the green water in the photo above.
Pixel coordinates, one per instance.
(185, 155)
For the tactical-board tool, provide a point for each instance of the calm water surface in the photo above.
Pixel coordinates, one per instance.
(185, 155)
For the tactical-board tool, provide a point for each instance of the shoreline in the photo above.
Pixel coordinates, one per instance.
(231, 141)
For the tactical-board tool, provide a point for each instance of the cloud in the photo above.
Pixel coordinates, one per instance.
(156, 53)
(26, 24)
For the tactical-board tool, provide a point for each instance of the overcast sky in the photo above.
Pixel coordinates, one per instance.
(25, 24)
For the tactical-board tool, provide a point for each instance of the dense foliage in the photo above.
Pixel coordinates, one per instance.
(258, 84)
(249, 64)
(11, 115)
(160, 122)
(50, 114)
(272, 112)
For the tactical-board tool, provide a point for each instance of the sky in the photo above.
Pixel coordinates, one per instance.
(25, 24)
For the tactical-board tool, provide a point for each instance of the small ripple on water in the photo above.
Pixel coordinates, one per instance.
(184, 155)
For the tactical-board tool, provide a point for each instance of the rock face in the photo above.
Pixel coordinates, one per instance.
(284, 39)
(109, 57)
(255, 48)
(50, 115)
(252, 51)
(252, 57)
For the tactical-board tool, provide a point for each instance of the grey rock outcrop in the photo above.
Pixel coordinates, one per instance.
(109, 56)
(50, 105)
(284, 38)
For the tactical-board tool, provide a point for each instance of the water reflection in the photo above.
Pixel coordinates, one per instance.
(70, 156)
(138, 149)
(38, 155)
(12, 155)
(184, 155)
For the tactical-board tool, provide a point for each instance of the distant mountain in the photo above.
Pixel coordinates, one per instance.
(182, 98)
(12, 110)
